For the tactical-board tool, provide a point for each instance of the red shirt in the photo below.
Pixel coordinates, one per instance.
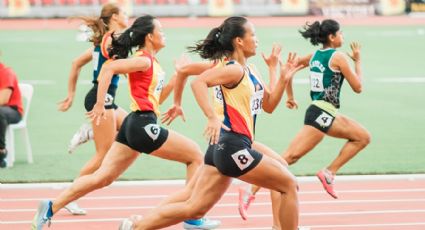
(146, 86)
(8, 80)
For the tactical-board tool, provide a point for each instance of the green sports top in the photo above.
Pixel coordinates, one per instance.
(325, 82)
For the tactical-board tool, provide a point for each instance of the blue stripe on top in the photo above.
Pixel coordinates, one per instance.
(97, 66)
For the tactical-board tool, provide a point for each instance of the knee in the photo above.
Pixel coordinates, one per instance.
(291, 158)
(196, 156)
(365, 139)
(103, 181)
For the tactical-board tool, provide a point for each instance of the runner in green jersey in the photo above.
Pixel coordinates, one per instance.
(328, 69)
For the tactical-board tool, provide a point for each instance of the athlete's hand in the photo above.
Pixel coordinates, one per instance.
(291, 104)
(273, 59)
(212, 131)
(291, 66)
(97, 113)
(355, 49)
(64, 105)
(171, 114)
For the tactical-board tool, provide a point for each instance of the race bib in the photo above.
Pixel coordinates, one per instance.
(95, 59)
(324, 119)
(160, 83)
(153, 131)
(257, 102)
(109, 99)
(316, 81)
(243, 159)
(218, 95)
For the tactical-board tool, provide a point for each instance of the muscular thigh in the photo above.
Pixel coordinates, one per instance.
(344, 127)
(117, 160)
(262, 148)
(178, 148)
(278, 177)
(209, 188)
(104, 133)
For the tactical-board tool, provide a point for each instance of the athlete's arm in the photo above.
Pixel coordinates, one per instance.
(76, 66)
(167, 89)
(182, 73)
(287, 71)
(227, 76)
(340, 61)
(290, 102)
(120, 66)
(272, 62)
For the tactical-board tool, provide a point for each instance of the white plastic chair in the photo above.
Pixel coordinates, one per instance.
(26, 92)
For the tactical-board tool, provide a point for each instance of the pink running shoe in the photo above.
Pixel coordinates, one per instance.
(245, 199)
(327, 179)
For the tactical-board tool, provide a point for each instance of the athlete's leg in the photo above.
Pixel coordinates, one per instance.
(282, 181)
(120, 115)
(248, 196)
(104, 136)
(208, 189)
(180, 148)
(185, 193)
(116, 161)
(358, 138)
(303, 143)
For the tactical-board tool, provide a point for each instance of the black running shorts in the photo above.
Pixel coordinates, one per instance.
(140, 132)
(91, 98)
(233, 155)
(318, 118)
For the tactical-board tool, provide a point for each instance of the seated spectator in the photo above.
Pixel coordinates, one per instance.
(10, 106)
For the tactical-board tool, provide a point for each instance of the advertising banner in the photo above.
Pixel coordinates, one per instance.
(295, 6)
(18, 8)
(342, 8)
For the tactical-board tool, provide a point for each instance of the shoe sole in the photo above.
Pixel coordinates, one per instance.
(323, 181)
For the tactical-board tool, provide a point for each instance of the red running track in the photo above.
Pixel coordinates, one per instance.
(378, 203)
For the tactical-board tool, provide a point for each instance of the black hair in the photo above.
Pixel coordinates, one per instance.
(132, 37)
(219, 41)
(318, 33)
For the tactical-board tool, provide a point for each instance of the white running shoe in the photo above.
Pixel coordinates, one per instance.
(201, 224)
(74, 209)
(84, 134)
(43, 215)
(127, 224)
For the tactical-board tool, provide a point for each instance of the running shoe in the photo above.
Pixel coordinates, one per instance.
(84, 134)
(127, 224)
(327, 179)
(74, 209)
(43, 215)
(201, 224)
(245, 200)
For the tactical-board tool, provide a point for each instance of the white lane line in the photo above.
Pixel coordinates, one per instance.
(252, 216)
(123, 197)
(365, 225)
(225, 205)
(342, 226)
